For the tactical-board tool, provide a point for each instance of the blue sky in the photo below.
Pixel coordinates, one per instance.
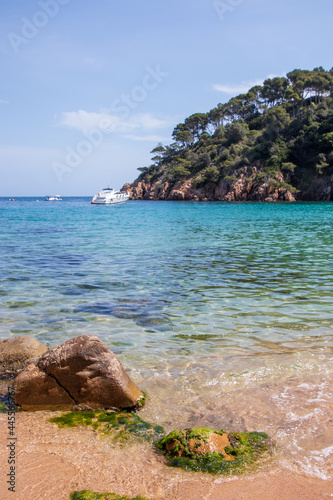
(88, 89)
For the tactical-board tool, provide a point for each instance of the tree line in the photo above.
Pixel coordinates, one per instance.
(286, 125)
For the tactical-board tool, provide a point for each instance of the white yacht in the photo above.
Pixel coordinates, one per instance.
(109, 196)
(53, 198)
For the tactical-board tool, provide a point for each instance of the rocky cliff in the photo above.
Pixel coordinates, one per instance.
(242, 188)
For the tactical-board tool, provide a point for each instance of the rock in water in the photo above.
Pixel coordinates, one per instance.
(18, 352)
(206, 450)
(82, 371)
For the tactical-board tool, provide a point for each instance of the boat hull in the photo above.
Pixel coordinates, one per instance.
(109, 196)
(108, 202)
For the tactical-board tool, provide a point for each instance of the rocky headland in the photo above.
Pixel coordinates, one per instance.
(274, 143)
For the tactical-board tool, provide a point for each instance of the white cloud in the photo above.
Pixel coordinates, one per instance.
(240, 88)
(86, 121)
(148, 138)
(146, 121)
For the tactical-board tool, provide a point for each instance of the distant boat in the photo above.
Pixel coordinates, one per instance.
(12, 199)
(109, 196)
(53, 198)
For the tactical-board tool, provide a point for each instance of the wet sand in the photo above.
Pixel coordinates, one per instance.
(53, 462)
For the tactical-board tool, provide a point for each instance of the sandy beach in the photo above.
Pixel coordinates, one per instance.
(53, 462)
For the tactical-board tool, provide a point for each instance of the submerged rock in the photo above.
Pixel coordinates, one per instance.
(206, 450)
(120, 426)
(18, 352)
(82, 371)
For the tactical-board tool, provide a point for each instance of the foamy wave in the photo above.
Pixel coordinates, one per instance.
(326, 452)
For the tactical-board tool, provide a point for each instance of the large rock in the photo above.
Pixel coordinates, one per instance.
(36, 390)
(18, 352)
(199, 441)
(82, 371)
(204, 449)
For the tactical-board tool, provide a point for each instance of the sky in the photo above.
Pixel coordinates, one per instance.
(88, 89)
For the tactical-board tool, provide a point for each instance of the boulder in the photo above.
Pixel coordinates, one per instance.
(82, 371)
(199, 441)
(217, 452)
(35, 390)
(18, 352)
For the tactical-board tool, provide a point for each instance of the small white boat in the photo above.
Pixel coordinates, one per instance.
(53, 198)
(109, 196)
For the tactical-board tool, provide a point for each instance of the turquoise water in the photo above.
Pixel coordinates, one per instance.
(204, 303)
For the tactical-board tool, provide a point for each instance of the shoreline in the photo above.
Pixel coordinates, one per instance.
(53, 462)
(290, 401)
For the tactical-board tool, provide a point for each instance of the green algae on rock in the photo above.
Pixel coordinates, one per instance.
(142, 401)
(74, 418)
(90, 495)
(122, 425)
(206, 450)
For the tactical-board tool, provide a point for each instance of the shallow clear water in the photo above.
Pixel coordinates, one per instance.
(222, 312)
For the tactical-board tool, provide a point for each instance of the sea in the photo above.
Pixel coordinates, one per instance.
(221, 312)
